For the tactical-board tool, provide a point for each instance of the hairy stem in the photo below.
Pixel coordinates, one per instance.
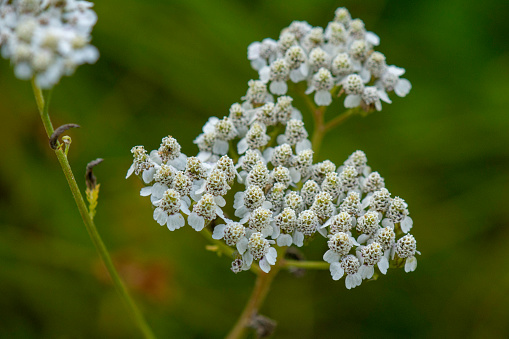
(87, 220)
(260, 291)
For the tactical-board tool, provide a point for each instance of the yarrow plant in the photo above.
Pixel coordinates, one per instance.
(253, 188)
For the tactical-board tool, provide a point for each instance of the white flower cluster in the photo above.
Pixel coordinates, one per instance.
(47, 39)
(281, 198)
(261, 149)
(337, 59)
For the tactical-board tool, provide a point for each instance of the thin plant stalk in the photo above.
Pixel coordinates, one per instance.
(140, 321)
(260, 291)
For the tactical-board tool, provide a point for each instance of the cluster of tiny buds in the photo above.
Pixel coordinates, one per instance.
(339, 58)
(262, 153)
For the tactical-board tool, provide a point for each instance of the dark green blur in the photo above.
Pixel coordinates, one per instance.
(165, 67)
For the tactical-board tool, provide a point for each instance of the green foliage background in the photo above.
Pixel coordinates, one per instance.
(165, 67)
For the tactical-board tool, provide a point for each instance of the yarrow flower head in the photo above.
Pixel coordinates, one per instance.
(339, 58)
(47, 39)
(253, 183)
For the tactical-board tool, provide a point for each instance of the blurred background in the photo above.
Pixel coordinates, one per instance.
(165, 67)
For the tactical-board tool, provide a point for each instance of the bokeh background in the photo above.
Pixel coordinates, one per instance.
(165, 67)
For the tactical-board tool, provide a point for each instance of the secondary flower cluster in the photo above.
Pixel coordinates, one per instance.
(281, 198)
(47, 39)
(337, 59)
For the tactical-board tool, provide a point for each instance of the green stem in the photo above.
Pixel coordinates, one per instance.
(338, 120)
(310, 265)
(89, 223)
(260, 291)
(319, 128)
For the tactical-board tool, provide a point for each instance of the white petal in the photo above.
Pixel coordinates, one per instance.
(296, 114)
(294, 174)
(195, 196)
(241, 212)
(275, 230)
(148, 175)
(23, 71)
(264, 265)
(184, 206)
(130, 171)
(387, 223)
(218, 232)
(304, 69)
(238, 200)
(253, 50)
(146, 191)
(220, 147)
(365, 75)
(366, 272)
(175, 221)
(352, 100)
(186, 200)
(323, 98)
(298, 238)
(196, 222)
(267, 205)
(158, 189)
(407, 224)
(179, 163)
(160, 216)
(322, 231)
(403, 87)
(281, 139)
(204, 156)
(350, 281)
(267, 231)
(210, 125)
(242, 146)
(154, 156)
(372, 38)
(366, 201)
(362, 238)
(398, 71)
(219, 212)
(336, 271)
(331, 257)
(383, 265)
(303, 145)
(278, 87)
(296, 75)
(242, 245)
(220, 201)
(267, 154)
(264, 74)
(357, 279)
(247, 257)
(153, 199)
(284, 240)
(384, 96)
(410, 264)
(271, 256)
